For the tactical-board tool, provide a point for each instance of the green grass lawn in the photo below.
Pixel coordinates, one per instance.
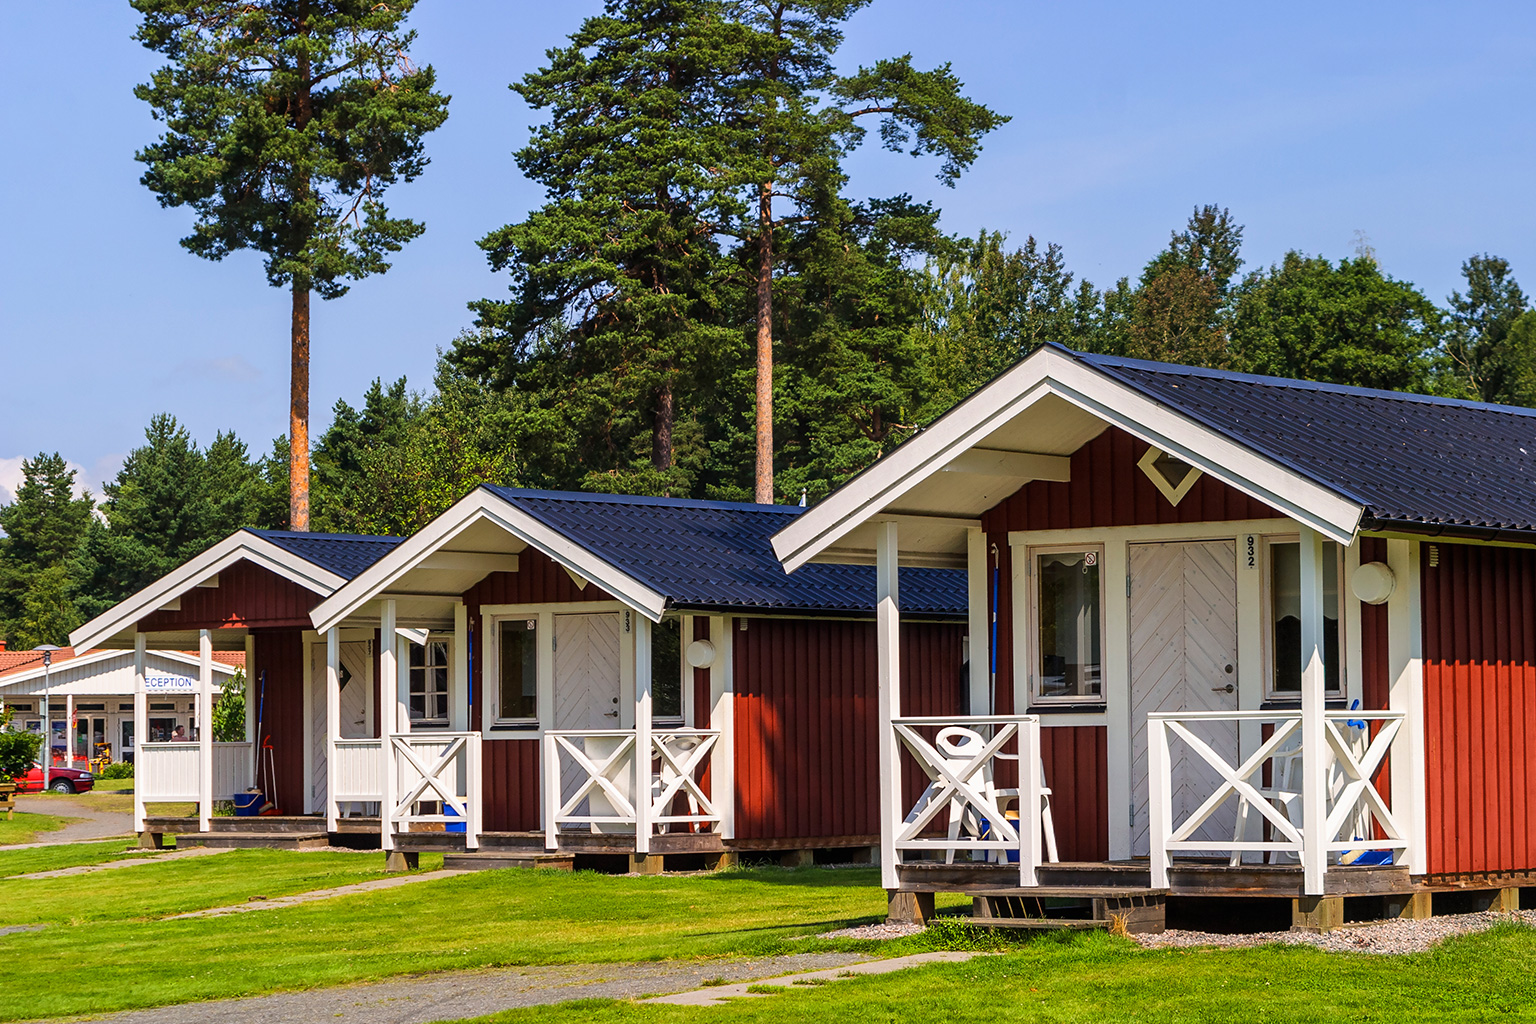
(66, 855)
(483, 919)
(24, 827)
(1098, 979)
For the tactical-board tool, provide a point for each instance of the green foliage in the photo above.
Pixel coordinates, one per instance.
(18, 748)
(43, 531)
(1487, 353)
(1347, 324)
(116, 770)
(285, 122)
(229, 710)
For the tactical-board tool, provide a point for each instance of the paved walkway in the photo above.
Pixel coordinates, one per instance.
(715, 995)
(320, 894)
(459, 994)
(95, 826)
(129, 862)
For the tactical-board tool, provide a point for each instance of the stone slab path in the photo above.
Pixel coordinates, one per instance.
(95, 825)
(456, 995)
(297, 898)
(127, 862)
(718, 994)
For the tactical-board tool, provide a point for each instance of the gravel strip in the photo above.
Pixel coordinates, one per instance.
(1384, 937)
(874, 931)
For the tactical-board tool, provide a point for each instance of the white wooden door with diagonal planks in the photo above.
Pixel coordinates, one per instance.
(586, 682)
(1183, 658)
(356, 678)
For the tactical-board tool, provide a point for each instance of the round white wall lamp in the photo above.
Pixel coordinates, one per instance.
(1373, 582)
(700, 654)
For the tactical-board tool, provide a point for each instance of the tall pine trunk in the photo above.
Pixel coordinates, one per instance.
(298, 412)
(763, 477)
(661, 429)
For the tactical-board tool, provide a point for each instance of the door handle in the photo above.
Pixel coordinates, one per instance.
(1223, 689)
(610, 714)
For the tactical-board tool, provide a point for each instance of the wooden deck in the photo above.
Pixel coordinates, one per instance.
(1184, 879)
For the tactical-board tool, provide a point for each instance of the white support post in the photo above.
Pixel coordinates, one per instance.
(250, 699)
(204, 730)
(551, 792)
(473, 779)
(1315, 757)
(1160, 799)
(977, 589)
(1031, 803)
(460, 667)
(388, 671)
(140, 726)
(642, 734)
(332, 723)
(402, 684)
(888, 649)
(1405, 647)
(722, 717)
(69, 730)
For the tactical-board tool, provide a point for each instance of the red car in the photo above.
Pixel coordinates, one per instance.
(60, 780)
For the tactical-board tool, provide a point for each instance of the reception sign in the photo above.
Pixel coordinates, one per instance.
(169, 684)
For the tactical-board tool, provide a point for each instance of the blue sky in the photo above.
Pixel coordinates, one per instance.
(1410, 122)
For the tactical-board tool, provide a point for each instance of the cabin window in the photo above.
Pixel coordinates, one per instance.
(1285, 617)
(667, 672)
(518, 685)
(21, 707)
(1069, 626)
(161, 729)
(429, 682)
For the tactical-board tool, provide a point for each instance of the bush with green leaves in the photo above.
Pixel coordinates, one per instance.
(18, 748)
(116, 770)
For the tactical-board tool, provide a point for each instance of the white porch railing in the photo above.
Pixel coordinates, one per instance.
(961, 757)
(358, 774)
(167, 771)
(233, 770)
(437, 767)
(597, 768)
(1354, 805)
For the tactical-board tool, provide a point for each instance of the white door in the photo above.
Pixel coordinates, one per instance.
(586, 684)
(356, 681)
(1183, 658)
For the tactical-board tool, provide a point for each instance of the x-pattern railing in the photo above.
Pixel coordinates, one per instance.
(961, 763)
(679, 756)
(1352, 759)
(427, 768)
(609, 773)
(604, 760)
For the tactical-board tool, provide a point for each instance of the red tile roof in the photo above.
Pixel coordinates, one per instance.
(21, 661)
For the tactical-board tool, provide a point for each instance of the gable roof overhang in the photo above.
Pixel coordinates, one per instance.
(116, 626)
(29, 681)
(482, 533)
(1024, 426)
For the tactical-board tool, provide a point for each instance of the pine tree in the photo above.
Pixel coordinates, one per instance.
(1480, 343)
(286, 121)
(45, 527)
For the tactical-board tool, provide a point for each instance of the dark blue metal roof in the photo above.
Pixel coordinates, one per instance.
(716, 555)
(345, 554)
(1415, 462)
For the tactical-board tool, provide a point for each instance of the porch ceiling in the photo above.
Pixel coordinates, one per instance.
(934, 514)
(425, 593)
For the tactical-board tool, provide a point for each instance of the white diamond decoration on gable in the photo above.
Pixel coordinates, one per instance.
(1170, 474)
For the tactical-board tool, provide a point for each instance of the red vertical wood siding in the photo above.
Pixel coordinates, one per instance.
(280, 659)
(1479, 607)
(510, 767)
(247, 595)
(1375, 661)
(1077, 773)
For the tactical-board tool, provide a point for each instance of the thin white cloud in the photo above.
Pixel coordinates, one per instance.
(12, 476)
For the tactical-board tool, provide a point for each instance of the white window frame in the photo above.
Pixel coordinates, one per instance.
(684, 677)
(1032, 639)
(1267, 623)
(447, 642)
(491, 617)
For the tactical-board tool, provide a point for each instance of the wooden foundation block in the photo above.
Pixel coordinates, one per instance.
(645, 864)
(862, 854)
(909, 907)
(1317, 913)
(151, 840)
(797, 858)
(721, 861)
(1508, 900)
(1412, 906)
(402, 860)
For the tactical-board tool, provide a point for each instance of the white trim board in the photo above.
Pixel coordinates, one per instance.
(1050, 372)
(477, 506)
(239, 546)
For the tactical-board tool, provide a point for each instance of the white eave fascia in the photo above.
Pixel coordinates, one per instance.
(480, 504)
(22, 675)
(239, 546)
(1055, 373)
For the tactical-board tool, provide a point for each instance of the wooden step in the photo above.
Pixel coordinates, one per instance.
(493, 860)
(254, 840)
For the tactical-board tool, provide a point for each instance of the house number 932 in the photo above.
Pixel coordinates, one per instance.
(1250, 552)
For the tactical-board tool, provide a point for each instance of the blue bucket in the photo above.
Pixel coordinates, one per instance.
(452, 826)
(248, 805)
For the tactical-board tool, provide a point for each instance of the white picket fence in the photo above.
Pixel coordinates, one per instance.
(357, 776)
(1351, 759)
(961, 758)
(233, 769)
(603, 787)
(167, 771)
